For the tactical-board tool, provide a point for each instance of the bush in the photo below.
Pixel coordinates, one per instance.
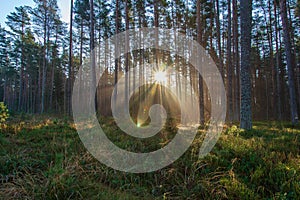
(3, 113)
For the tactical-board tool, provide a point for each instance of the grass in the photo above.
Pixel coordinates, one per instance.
(43, 158)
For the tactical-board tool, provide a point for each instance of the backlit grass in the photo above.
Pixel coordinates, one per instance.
(43, 158)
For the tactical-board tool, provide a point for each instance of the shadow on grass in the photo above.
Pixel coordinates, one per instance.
(46, 160)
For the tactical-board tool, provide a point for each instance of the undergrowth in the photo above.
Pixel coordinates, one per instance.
(43, 158)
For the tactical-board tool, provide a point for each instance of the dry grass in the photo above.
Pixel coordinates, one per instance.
(45, 159)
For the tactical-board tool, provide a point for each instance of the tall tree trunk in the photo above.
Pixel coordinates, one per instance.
(272, 65)
(44, 69)
(116, 50)
(54, 51)
(80, 61)
(246, 18)
(4, 90)
(52, 80)
(127, 87)
(236, 59)
(156, 25)
(39, 90)
(229, 68)
(221, 67)
(20, 105)
(289, 57)
(278, 86)
(69, 97)
(93, 56)
(199, 40)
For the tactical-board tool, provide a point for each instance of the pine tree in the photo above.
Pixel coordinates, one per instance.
(229, 67)
(93, 56)
(44, 15)
(199, 40)
(246, 113)
(4, 62)
(70, 65)
(289, 60)
(18, 22)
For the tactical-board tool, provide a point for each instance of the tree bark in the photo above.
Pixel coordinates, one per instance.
(289, 57)
(116, 50)
(236, 60)
(93, 57)
(229, 68)
(246, 18)
(127, 85)
(221, 67)
(278, 86)
(199, 40)
(69, 97)
(44, 68)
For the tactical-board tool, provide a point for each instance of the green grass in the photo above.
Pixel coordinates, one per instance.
(43, 158)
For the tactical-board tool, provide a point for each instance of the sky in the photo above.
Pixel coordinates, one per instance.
(8, 6)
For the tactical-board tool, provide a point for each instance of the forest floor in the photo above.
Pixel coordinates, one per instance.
(43, 158)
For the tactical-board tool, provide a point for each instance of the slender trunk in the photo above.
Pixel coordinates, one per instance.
(52, 82)
(20, 104)
(39, 91)
(53, 69)
(229, 67)
(80, 61)
(44, 69)
(93, 59)
(156, 25)
(236, 59)
(289, 57)
(4, 90)
(70, 71)
(278, 86)
(221, 67)
(273, 66)
(127, 87)
(5, 99)
(199, 40)
(116, 51)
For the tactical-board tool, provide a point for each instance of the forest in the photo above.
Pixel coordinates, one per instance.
(148, 72)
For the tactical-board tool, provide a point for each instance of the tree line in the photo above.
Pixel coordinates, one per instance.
(255, 45)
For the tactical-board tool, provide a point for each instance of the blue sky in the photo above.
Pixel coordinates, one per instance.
(8, 6)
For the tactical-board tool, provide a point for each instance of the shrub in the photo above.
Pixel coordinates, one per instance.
(3, 113)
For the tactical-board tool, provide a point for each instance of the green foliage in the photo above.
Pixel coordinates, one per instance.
(3, 113)
(234, 130)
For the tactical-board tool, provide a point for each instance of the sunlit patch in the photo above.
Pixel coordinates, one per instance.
(160, 76)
